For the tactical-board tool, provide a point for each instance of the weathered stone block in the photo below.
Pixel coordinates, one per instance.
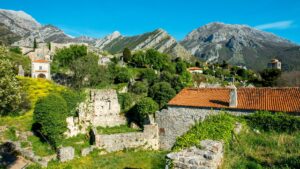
(196, 158)
(65, 154)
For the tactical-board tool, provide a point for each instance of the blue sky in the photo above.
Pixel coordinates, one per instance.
(178, 17)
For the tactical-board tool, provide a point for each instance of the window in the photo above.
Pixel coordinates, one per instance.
(41, 67)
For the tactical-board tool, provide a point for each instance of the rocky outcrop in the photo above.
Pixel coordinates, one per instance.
(19, 22)
(44, 34)
(158, 39)
(101, 43)
(209, 156)
(239, 45)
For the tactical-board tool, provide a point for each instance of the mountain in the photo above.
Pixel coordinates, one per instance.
(7, 37)
(24, 29)
(19, 22)
(158, 39)
(241, 45)
(47, 33)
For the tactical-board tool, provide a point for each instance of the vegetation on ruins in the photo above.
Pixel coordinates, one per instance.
(145, 107)
(116, 129)
(218, 127)
(267, 140)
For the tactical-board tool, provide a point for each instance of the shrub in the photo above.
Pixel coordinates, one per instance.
(140, 88)
(146, 106)
(89, 73)
(72, 99)
(162, 92)
(149, 75)
(217, 127)
(126, 101)
(10, 93)
(268, 121)
(64, 57)
(126, 55)
(50, 115)
(123, 76)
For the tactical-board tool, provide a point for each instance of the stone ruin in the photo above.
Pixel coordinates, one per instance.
(148, 139)
(65, 154)
(101, 108)
(210, 156)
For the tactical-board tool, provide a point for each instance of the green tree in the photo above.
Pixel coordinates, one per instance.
(126, 55)
(35, 45)
(10, 90)
(49, 45)
(162, 92)
(166, 77)
(16, 50)
(123, 76)
(50, 114)
(149, 75)
(156, 60)
(140, 88)
(65, 56)
(180, 67)
(72, 98)
(146, 107)
(90, 73)
(139, 59)
(269, 77)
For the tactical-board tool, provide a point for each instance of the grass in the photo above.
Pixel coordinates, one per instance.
(40, 148)
(35, 89)
(118, 160)
(217, 127)
(78, 142)
(116, 129)
(264, 150)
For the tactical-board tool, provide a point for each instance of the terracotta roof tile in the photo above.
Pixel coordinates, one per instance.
(41, 61)
(194, 68)
(272, 99)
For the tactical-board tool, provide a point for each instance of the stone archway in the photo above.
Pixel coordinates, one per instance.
(41, 75)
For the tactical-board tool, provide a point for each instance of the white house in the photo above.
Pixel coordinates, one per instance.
(40, 69)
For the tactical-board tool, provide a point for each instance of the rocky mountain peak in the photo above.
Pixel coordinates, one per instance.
(20, 22)
(101, 43)
(238, 44)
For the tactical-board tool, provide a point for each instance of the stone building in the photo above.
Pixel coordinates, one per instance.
(101, 108)
(192, 105)
(40, 69)
(274, 64)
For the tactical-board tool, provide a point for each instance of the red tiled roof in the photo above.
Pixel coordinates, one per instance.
(41, 61)
(271, 99)
(194, 68)
(40, 71)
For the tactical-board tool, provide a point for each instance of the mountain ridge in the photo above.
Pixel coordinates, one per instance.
(240, 45)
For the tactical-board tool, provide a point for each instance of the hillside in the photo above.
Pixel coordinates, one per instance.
(158, 39)
(241, 45)
(7, 37)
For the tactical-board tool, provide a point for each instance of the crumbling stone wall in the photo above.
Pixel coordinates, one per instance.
(175, 121)
(100, 109)
(210, 156)
(148, 139)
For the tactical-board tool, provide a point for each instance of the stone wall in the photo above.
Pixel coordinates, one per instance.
(100, 109)
(175, 121)
(210, 156)
(148, 139)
